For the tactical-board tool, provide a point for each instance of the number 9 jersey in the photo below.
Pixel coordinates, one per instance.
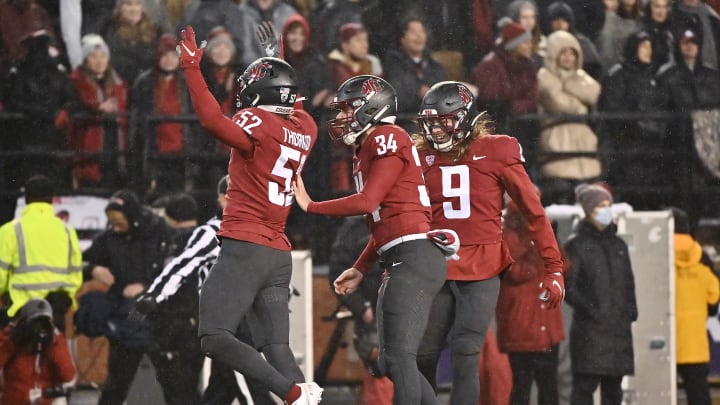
(259, 189)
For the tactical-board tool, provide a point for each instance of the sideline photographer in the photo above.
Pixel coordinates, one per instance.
(34, 357)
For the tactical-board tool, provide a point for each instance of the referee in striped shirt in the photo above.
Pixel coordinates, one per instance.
(198, 256)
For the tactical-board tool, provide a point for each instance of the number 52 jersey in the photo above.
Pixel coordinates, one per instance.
(259, 191)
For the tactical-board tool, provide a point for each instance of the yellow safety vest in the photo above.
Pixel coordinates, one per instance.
(39, 254)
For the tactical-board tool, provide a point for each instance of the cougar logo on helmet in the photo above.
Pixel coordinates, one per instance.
(370, 87)
(465, 95)
(258, 72)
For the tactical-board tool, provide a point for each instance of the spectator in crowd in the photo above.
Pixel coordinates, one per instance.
(560, 17)
(205, 15)
(188, 270)
(220, 66)
(352, 237)
(351, 58)
(507, 79)
(687, 84)
(565, 88)
(700, 18)
(317, 84)
(601, 290)
(131, 37)
(18, 20)
(126, 258)
(39, 88)
(387, 179)
(34, 357)
(467, 170)
(267, 131)
(160, 90)
(525, 13)
(635, 154)
(618, 26)
(527, 330)
(328, 16)
(39, 255)
(411, 70)
(100, 91)
(696, 287)
(255, 12)
(656, 22)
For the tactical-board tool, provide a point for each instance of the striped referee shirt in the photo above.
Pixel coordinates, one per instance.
(200, 253)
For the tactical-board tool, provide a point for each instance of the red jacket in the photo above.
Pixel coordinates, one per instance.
(523, 321)
(502, 78)
(18, 365)
(86, 135)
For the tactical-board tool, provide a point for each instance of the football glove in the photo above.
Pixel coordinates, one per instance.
(268, 39)
(447, 240)
(188, 50)
(553, 286)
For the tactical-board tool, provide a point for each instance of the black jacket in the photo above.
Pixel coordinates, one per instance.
(601, 290)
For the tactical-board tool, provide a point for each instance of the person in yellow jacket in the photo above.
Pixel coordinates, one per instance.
(696, 287)
(39, 256)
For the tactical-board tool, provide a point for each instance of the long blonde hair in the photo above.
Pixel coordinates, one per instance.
(483, 126)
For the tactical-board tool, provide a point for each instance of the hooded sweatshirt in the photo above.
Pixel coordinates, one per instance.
(695, 287)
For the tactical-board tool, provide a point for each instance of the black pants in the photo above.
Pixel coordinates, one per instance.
(695, 383)
(416, 271)
(177, 373)
(250, 280)
(223, 388)
(540, 367)
(584, 385)
(466, 307)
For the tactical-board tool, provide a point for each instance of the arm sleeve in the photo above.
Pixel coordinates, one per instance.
(76, 275)
(8, 251)
(521, 190)
(7, 346)
(210, 115)
(574, 270)
(713, 288)
(59, 358)
(370, 197)
(367, 258)
(201, 249)
(70, 25)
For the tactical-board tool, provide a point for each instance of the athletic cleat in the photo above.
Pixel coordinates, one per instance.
(311, 394)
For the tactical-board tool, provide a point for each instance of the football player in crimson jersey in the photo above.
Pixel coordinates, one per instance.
(467, 171)
(270, 140)
(391, 193)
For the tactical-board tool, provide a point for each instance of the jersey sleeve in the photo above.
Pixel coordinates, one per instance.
(367, 258)
(381, 179)
(211, 116)
(510, 149)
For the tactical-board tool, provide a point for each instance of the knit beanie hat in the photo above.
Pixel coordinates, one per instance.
(219, 35)
(513, 34)
(166, 43)
(92, 43)
(127, 202)
(560, 9)
(590, 195)
(349, 30)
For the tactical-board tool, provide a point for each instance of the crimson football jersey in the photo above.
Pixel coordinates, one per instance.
(259, 189)
(399, 204)
(467, 196)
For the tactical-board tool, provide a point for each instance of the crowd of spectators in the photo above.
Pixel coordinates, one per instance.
(91, 93)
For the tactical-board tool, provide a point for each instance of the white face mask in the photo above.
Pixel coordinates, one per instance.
(603, 216)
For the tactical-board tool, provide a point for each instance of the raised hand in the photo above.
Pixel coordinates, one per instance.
(188, 51)
(268, 39)
(553, 289)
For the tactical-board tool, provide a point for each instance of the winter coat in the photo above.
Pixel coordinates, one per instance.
(681, 19)
(327, 18)
(524, 324)
(130, 57)
(18, 367)
(204, 15)
(342, 71)
(18, 18)
(611, 38)
(695, 288)
(506, 86)
(661, 37)
(562, 92)
(401, 73)
(601, 289)
(252, 16)
(88, 134)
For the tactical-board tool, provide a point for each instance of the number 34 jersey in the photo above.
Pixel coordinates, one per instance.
(259, 191)
(467, 196)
